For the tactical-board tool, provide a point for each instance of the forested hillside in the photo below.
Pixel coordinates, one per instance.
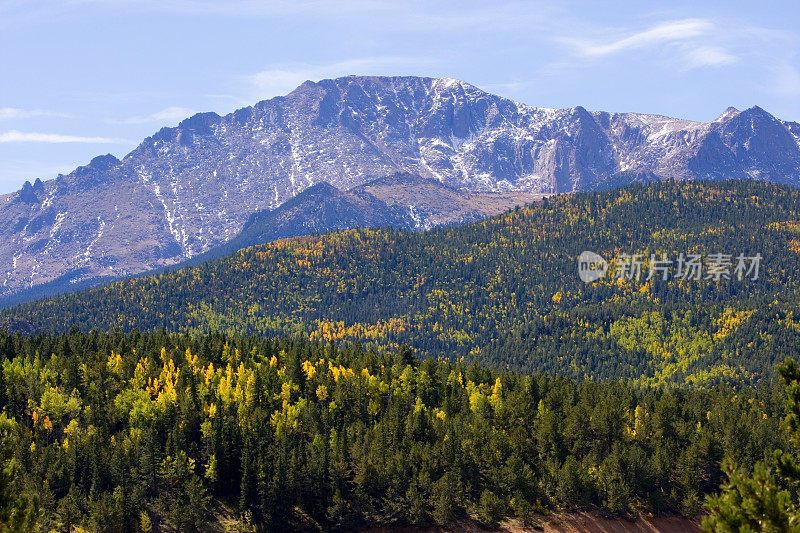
(505, 291)
(171, 432)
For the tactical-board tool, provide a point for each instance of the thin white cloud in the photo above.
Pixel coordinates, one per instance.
(14, 136)
(169, 114)
(708, 56)
(686, 44)
(281, 79)
(8, 113)
(676, 31)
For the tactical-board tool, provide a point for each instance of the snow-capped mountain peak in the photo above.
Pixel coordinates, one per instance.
(189, 188)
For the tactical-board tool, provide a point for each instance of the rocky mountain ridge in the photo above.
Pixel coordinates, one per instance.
(191, 188)
(401, 201)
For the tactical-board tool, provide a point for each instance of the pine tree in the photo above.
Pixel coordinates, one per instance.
(767, 499)
(17, 512)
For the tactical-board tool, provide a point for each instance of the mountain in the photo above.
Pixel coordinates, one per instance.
(505, 290)
(188, 189)
(401, 201)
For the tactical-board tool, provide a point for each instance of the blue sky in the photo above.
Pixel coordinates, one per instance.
(88, 77)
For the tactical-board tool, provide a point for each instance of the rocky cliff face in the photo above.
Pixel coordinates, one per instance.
(402, 201)
(188, 189)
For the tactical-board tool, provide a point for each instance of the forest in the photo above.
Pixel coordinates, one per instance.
(505, 291)
(183, 432)
(375, 377)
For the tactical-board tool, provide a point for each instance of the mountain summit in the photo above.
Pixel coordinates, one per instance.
(190, 188)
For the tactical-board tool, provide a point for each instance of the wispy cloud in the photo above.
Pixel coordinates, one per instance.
(281, 79)
(8, 113)
(708, 56)
(688, 43)
(680, 30)
(169, 114)
(14, 136)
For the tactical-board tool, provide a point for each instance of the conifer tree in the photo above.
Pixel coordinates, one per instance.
(767, 499)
